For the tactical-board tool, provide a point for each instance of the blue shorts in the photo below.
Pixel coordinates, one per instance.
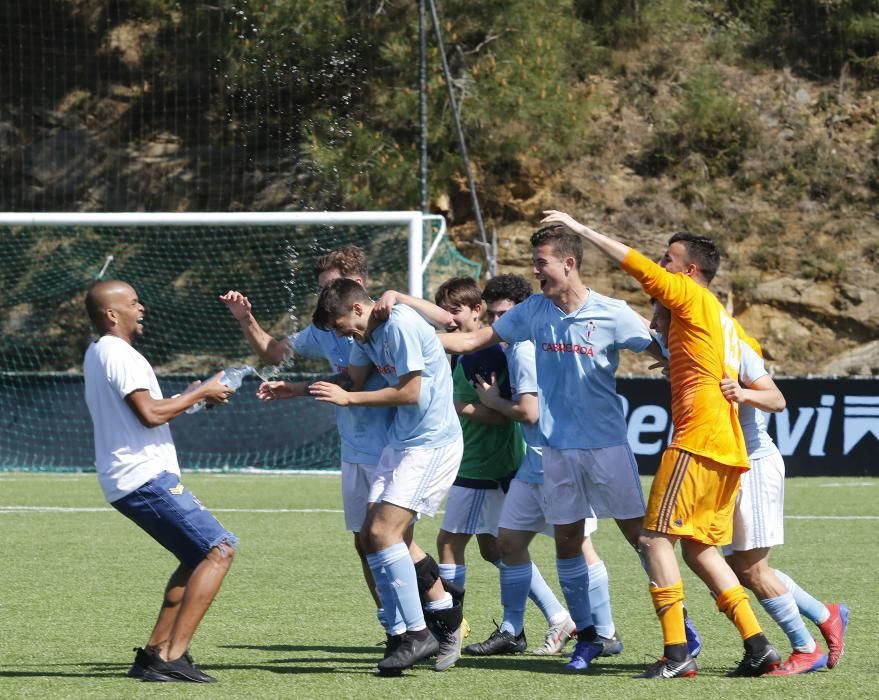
(174, 517)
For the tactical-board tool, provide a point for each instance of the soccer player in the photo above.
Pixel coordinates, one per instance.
(758, 520)
(589, 468)
(363, 432)
(524, 509)
(418, 464)
(693, 493)
(493, 445)
(139, 475)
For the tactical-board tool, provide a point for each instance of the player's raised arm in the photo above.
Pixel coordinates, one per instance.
(270, 350)
(610, 247)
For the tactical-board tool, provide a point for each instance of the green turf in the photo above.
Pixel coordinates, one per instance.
(78, 590)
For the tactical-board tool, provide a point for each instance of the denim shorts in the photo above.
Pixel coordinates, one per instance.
(169, 513)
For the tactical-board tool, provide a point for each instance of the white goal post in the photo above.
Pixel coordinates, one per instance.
(413, 220)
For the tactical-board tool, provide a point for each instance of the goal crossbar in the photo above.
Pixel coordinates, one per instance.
(413, 220)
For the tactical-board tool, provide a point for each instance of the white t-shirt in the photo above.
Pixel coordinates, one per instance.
(127, 453)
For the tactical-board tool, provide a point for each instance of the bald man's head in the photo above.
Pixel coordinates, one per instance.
(113, 307)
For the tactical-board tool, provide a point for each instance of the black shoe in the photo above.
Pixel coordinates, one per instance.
(756, 664)
(500, 642)
(666, 668)
(414, 646)
(392, 643)
(142, 659)
(446, 627)
(178, 670)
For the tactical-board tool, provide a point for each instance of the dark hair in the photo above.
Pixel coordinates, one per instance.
(349, 260)
(512, 287)
(336, 300)
(458, 291)
(701, 251)
(564, 243)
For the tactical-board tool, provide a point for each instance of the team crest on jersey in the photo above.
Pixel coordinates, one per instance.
(590, 327)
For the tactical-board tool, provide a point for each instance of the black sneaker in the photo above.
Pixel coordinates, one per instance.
(756, 664)
(392, 643)
(500, 642)
(142, 659)
(413, 647)
(178, 670)
(666, 668)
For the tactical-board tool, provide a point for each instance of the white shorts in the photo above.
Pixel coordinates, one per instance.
(473, 511)
(357, 479)
(525, 510)
(603, 483)
(417, 478)
(758, 520)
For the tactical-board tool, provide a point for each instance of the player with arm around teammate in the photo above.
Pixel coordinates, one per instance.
(588, 465)
(139, 474)
(417, 466)
(523, 514)
(362, 432)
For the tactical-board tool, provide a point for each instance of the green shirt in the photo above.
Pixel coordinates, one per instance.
(490, 451)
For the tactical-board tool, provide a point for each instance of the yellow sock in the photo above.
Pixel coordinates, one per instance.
(733, 603)
(669, 605)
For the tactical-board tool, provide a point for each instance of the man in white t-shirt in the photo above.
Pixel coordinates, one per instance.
(138, 472)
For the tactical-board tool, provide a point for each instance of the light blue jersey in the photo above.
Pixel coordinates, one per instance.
(753, 420)
(577, 356)
(523, 380)
(407, 343)
(364, 431)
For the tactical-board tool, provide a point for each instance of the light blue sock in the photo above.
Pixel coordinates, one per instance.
(574, 580)
(599, 600)
(383, 619)
(455, 573)
(391, 621)
(812, 608)
(783, 610)
(515, 584)
(543, 596)
(394, 567)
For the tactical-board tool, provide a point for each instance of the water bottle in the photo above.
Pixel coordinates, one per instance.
(232, 378)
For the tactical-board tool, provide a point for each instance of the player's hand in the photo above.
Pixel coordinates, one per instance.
(237, 303)
(384, 305)
(271, 391)
(551, 216)
(732, 390)
(215, 392)
(329, 393)
(488, 391)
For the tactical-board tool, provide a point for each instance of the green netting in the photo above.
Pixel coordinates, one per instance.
(178, 273)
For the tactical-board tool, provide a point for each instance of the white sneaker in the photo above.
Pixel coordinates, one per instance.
(556, 637)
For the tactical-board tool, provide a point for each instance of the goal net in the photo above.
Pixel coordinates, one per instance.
(180, 264)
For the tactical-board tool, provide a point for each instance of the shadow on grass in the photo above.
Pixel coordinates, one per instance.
(377, 649)
(552, 665)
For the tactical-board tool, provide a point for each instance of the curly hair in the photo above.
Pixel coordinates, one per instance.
(512, 287)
